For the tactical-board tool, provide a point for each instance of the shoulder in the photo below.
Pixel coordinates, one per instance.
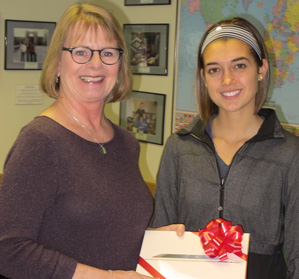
(274, 139)
(178, 144)
(124, 137)
(35, 144)
(37, 128)
(123, 133)
(273, 125)
(41, 124)
(291, 140)
(40, 130)
(124, 145)
(195, 128)
(41, 135)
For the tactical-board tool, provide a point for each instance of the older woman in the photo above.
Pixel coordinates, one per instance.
(235, 162)
(73, 203)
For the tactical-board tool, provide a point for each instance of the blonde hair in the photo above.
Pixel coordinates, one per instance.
(205, 105)
(86, 16)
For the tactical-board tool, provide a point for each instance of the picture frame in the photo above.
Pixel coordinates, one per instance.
(26, 43)
(148, 48)
(143, 115)
(146, 2)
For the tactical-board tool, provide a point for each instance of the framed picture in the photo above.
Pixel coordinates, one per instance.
(26, 43)
(146, 2)
(143, 115)
(148, 48)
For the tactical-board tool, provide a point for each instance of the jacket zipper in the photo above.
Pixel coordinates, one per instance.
(222, 180)
(221, 199)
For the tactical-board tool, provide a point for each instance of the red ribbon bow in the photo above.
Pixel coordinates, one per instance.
(219, 237)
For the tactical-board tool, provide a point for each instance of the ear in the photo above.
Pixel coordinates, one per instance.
(203, 76)
(264, 68)
(58, 70)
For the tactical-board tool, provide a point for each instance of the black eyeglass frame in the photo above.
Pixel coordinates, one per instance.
(70, 50)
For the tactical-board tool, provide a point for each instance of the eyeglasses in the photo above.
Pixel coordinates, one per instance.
(83, 55)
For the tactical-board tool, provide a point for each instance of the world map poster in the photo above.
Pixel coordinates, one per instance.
(276, 20)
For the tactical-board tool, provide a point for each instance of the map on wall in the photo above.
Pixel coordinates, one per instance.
(277, 21)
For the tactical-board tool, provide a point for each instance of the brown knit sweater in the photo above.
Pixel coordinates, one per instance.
(63, 201)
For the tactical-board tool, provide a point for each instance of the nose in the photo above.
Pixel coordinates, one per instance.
(96, 59)
(228, 78)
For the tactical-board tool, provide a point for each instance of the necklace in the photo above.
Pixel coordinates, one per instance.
(86, 129)
(90, 134)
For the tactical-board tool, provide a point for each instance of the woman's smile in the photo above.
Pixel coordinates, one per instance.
(91, 79)
(233, 93)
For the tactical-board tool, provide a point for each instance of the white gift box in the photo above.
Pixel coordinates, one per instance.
(165, 255)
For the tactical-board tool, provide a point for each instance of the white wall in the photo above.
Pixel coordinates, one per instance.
(13, 117)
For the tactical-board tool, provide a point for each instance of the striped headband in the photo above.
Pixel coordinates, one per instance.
(232, 31)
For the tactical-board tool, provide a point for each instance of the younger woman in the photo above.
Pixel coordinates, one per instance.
(235, 161)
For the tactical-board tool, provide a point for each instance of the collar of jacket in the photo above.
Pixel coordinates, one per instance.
(270, 128)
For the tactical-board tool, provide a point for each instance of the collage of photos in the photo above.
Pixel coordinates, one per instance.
(143, 115)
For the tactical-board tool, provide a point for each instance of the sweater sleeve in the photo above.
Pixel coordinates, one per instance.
(27, 192)
(166, 194)
(291, 225)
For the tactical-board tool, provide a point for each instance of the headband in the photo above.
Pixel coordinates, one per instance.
(232, 31)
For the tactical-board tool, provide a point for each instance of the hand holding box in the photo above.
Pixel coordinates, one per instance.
(165, 255)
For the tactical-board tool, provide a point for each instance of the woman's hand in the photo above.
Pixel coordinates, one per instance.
(88, 272)
(119, 274)
(178, 228)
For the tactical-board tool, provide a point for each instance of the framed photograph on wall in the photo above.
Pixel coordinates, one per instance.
(26, 43)
(143, 115)
(146, 2)
(148, 48)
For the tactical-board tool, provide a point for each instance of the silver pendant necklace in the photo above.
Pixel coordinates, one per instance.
(86, 129)
(90, 134)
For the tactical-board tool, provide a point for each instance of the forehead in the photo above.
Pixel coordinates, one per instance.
(227, 47)
(81, 32)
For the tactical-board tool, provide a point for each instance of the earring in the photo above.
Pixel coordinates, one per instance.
(57, 82)
(260, 77)
(117, 81)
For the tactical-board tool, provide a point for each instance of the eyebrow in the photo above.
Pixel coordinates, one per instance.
(234, 60)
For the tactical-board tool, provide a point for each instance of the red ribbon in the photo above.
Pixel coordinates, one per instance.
(219, 237)
(152, 271)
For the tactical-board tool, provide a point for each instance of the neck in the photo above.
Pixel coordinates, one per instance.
(236, 126)
(91, 123)
(90, 114)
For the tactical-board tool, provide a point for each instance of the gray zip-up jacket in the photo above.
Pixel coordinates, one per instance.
(260, 191)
